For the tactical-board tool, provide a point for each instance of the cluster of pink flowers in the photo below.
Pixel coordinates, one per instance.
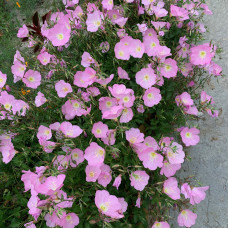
(85, 89)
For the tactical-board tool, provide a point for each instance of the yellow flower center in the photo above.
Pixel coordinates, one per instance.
(65, 89)
(1, 80)
(138, 49)
(76, 105)
(21, 69)
(98, 131)
(150, 96)
(168, 67)
(47, 132)
(7, 106)
(126, 99)
(60, 36)
(153, 155)
(68, 217)
(146, 77)
(153, 44)
(108, 103)
(121, 53)
(97, 23)
(75, 155)
(188, 134)
(31, 79)
(114, 16)
(91, 174)
(203, 54)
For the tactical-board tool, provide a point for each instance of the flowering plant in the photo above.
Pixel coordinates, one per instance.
(94, 123)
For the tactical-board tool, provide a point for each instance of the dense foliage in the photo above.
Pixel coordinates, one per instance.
(91, 130)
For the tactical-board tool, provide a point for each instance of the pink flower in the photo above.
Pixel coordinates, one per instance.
(70, 3)
(200, 55)
(106, 103)
(85, 78)
(124, 205)
(186, 218)
(196, 194)
(3, 78)
(44, 132)
(7, 100)
(137, 49)
(117, 182)
(94, 154)
(138, 202)
(44, 58)
(105, 177)
(18, 69)
(139, 179)
(30, 225)
(146, 78)
(73, 108)
(171, 189)
(100, 130)
(77, 157)
(47, 146)
(151, 43)
(7, 150)
(40, 99)
(185, 99)
(126, 116)
(169, 169)
(152, 97)
(134, 136)
(92, 173)
(169, 68)
(87, 59)
(160, 225)
(151, 159)
(23, 32)
(93, 21)
(122, 51)
(205, 98)
(33, 207)
(51, 185)
(63, 88)
(110, 139)
(113, 112)
(108, 204)
(69, 221)
(32, 79)
(69, 130)
(59, 35)
(175, 153)
(190, 136)
(107, 4)
(180, 13)
(122, 73)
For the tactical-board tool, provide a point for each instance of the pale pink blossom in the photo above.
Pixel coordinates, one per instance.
(32, 79)
(93, 21)
(40, 99)
(3, 78)
(117, 182)
(77, 157)
(63, 88)
(134, 136)
(100, 130)
(105, 176)
(169, 169)
(122, 73)
(171, 189)
(190, 136)
(152, 97)
(108, 204)
(94, 154)
(146, 78)
(44, 58)
(151, 159)
(169, 68)
(139, 179)
(23, 32)
(186, 218)
(92, 173)
(160, 225)
(69, 130)
(44, 132)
